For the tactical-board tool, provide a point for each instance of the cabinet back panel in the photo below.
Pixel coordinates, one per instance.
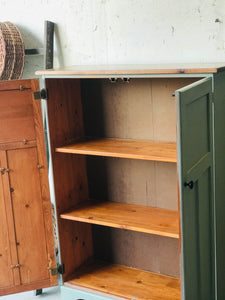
(142, 109)
(28, 214)
(133, 181)
(138, 250)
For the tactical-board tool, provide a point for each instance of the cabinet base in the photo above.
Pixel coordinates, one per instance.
(68, 293)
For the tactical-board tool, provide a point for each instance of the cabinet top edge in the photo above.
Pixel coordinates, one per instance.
(116, 70)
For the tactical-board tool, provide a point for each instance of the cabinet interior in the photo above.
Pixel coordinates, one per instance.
(117, 210)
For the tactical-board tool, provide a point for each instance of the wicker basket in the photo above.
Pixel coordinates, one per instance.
(12, 52)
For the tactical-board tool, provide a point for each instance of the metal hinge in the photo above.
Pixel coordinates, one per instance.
(59, 270)
(15, 266)
(42, 94)
(3, 170)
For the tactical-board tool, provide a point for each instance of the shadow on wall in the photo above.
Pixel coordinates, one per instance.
(32, 62)
(58, 55)
(36, 62)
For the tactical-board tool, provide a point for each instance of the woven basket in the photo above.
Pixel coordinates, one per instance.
(2, 53)
(12, 52)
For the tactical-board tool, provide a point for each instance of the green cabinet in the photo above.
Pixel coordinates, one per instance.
(136, 156)
(117, 130)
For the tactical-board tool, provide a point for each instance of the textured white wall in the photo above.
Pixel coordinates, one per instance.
(121, 31)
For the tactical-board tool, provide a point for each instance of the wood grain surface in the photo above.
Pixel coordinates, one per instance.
(117, 70)
(65, 120)
(28, 215)
(25, 189)
(16, 115)
(147, 150)
(126, 216)
(127, 282)
(6, 274)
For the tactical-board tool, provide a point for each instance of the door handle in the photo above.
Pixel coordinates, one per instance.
(189, 184)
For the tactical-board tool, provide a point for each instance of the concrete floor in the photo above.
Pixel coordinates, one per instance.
(48, 294)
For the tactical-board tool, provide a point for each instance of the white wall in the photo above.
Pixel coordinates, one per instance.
(121, 31)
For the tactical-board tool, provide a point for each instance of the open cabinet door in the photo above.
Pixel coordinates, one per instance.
(26, 236)
(195, 167)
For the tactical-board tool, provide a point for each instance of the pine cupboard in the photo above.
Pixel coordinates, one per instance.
(138, 175)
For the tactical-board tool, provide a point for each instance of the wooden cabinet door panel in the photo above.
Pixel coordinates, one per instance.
(28, 214)
(26, 222)
(16, 112)
(195, 160)
(7, 241)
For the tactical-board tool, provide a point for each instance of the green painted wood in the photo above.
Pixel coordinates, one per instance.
(195, 161)
(219, 140)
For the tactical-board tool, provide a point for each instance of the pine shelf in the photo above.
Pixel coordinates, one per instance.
(124, 148)
(151, 220)
(125, 282)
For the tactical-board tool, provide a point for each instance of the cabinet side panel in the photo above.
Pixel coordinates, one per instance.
(69, 171)
(64, 111)
(219, 106)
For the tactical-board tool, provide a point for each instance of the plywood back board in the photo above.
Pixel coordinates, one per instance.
(138, 250)
(133, 181)
(142, 109)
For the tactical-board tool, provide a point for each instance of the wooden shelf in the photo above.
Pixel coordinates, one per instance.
(127, 216)
(145, 150)
(126, 282)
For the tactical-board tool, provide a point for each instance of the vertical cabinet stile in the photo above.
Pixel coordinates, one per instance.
(8, 243)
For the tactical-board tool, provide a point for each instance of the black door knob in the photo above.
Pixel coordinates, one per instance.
(189, 184)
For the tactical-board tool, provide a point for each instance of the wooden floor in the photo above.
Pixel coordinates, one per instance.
(146, 150)
(127, 283)
(127, 216)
